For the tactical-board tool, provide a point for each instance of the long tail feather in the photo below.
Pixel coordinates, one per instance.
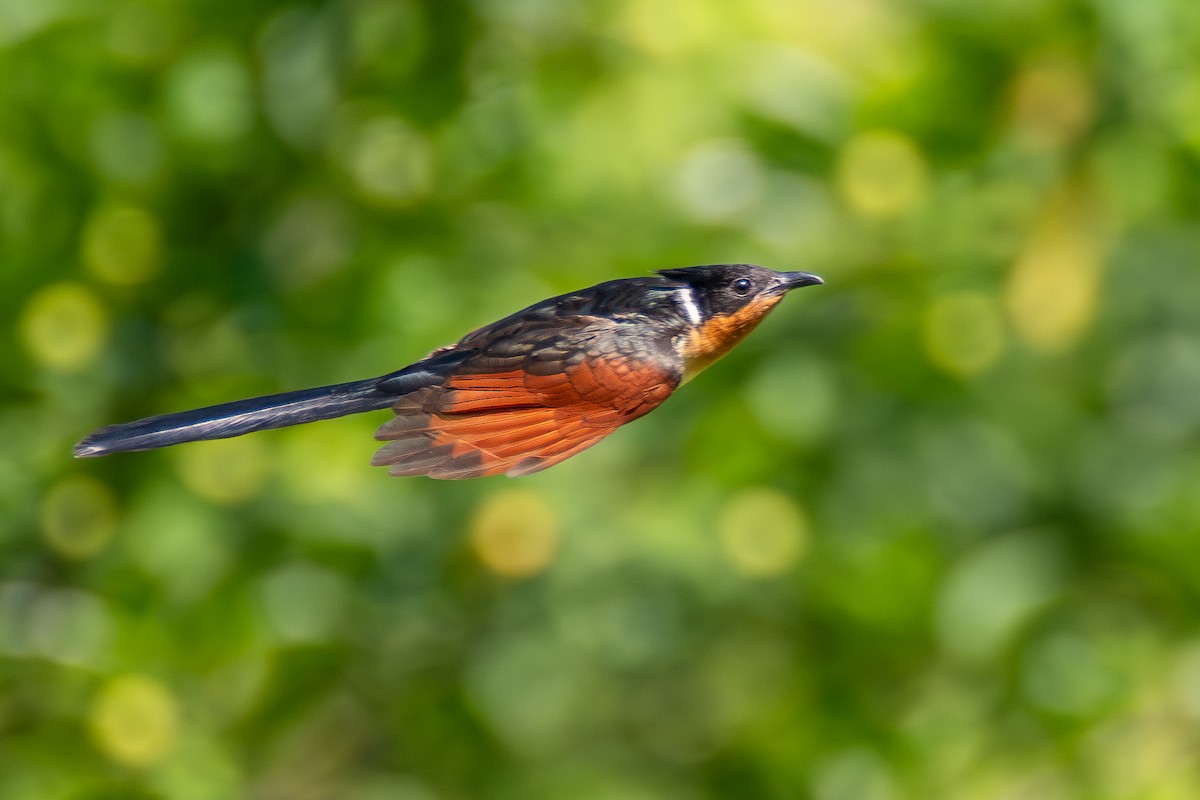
(241, 416)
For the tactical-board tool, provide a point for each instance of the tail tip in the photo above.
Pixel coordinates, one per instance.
(92, 445)
(86, 449)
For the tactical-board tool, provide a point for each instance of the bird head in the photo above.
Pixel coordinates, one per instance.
(724, 302)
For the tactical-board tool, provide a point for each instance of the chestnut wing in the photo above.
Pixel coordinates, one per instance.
(526, 396)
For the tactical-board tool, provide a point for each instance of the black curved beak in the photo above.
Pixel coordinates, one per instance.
(794, 280)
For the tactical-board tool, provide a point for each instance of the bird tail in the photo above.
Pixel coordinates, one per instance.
(238, 417)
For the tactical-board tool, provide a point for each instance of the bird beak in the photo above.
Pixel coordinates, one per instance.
(794, 280)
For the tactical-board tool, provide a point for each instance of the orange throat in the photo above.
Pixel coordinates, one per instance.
(716, 336)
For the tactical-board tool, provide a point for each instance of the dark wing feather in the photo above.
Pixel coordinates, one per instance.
(527, 393)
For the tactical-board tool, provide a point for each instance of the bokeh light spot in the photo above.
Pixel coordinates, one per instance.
(719, 180)
(1153, 385)
(298, 63)
(303, 601)
(1064, 673)
(78, 516)
(123, 245)
(16, 597)
(1053, 287)
(209, 96)
(855, 774)
(795, 216)
(127, 147)
(799, 88)
(64, 625)
(963, 332)
(227, 471)
(515, 533)
(1150, 753)
(64, 326)
(311, 239)
(387, 36)
(978, 475)
(793, 397)
(530, 689)
(882, 175)
(341, 458)
(989, 594)
(390, 161)
(763, 532)
(174, 537)
(135, 720)
(1052, 104)
(20, 20)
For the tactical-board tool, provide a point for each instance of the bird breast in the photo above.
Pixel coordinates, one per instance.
(703, 344)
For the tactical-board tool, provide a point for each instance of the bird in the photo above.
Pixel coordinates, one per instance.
(523, 393)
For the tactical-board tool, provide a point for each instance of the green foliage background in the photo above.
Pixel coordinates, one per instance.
(931, 532)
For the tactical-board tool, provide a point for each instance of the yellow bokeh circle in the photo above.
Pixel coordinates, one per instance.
(762, 531)
(963, 332)
(882, 175)
(123, 245)
(515, 533)
(78, 516)
(135, 720)
(226, 471)
(1053, 289)
(64, 326)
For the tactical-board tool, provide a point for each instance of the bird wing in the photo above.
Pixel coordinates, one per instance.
(521, 396)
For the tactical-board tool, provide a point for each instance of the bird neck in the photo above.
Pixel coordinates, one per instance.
(705, 343)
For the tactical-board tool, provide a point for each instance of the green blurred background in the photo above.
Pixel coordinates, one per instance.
(933, 531)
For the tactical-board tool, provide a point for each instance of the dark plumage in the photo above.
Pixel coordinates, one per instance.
(524, 392)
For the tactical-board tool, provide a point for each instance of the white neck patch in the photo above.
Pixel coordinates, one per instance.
(687, 300)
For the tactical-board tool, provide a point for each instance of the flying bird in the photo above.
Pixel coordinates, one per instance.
(523, 393)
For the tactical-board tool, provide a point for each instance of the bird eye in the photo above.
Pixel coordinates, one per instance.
(742, 286)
